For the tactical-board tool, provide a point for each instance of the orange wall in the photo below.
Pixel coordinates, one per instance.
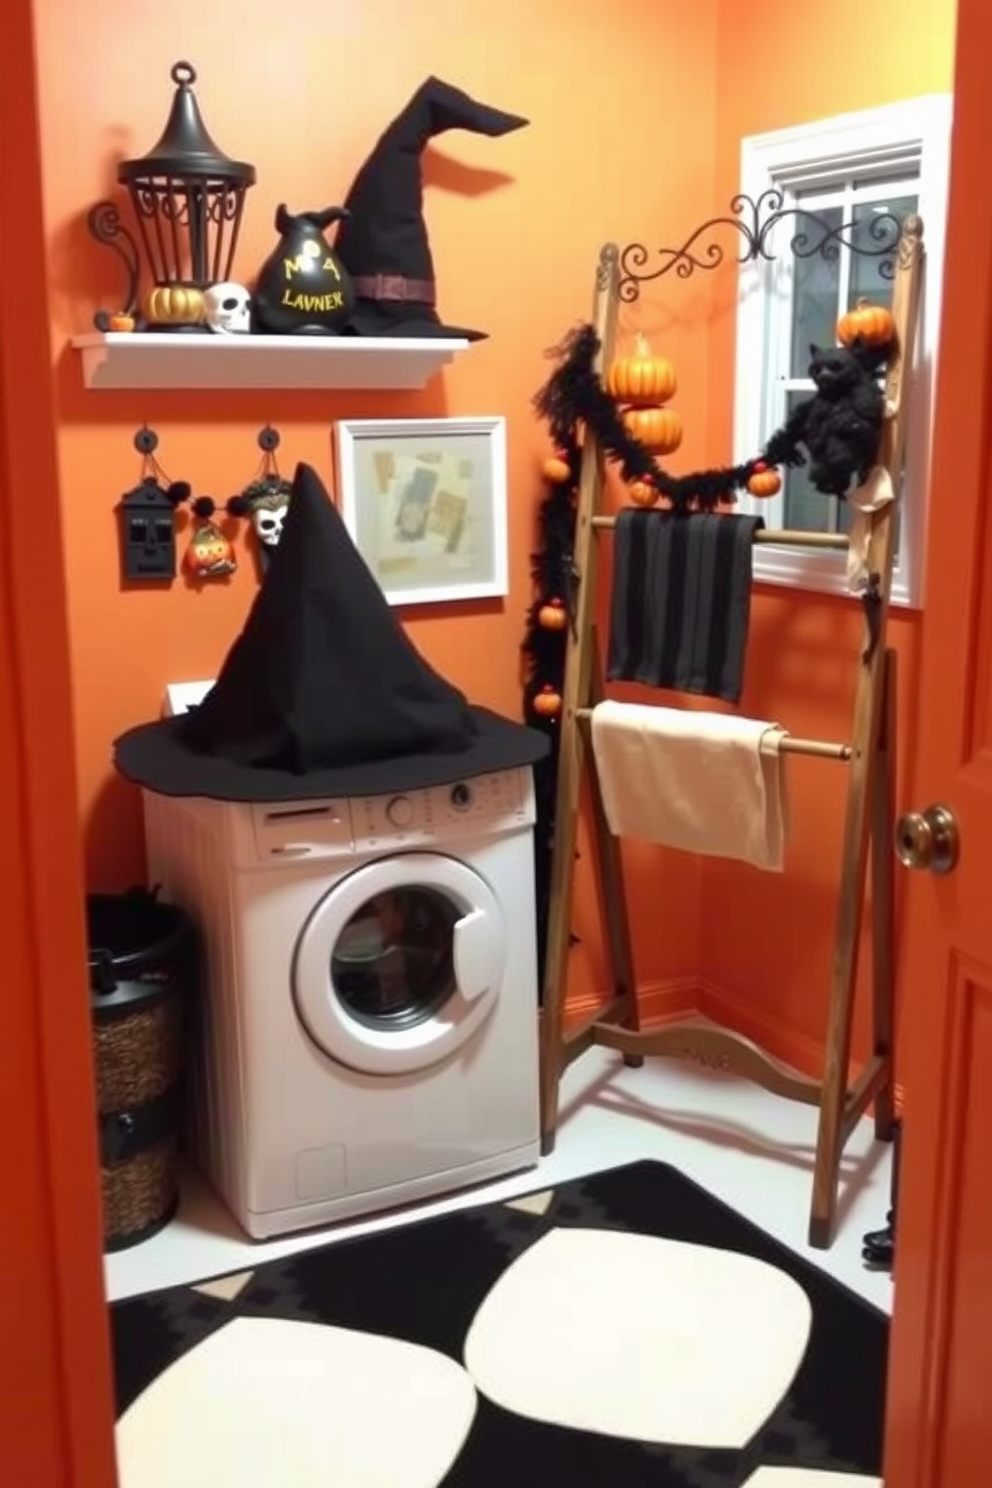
(515, 226)
(768, 968)
(302, 91)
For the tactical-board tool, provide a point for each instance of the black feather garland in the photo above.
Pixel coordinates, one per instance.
(574, 397)
(574, 394)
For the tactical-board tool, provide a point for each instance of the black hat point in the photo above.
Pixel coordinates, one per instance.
(323, 693)
(383, 243)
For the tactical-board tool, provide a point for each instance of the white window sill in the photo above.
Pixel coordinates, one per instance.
(793, 568)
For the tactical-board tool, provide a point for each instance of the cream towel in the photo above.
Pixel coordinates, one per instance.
(709, 783)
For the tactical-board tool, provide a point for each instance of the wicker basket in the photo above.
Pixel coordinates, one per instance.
(142, 963)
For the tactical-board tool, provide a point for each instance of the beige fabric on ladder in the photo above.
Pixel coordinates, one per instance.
(864, 501)
(710, 783)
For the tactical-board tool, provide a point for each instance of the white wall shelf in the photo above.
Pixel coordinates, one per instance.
(135, 359)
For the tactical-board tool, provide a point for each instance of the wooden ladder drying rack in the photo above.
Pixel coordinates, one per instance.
(868, 818)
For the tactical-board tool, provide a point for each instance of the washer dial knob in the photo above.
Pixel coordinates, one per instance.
(399, 811)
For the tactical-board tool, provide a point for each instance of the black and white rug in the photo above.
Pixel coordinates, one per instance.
(625, 1329)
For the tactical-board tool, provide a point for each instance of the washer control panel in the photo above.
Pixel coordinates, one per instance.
(483, 805)
(303, 829)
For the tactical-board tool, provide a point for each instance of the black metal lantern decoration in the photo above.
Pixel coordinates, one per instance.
(188, 198)
(147, 518)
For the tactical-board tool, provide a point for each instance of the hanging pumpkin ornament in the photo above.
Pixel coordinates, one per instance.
(763, 481)
(556, 468)
(643, 493)
(872, 324)
(658, 429)
(210, 554)
(552, 615)
(547, 703)
(643, 379)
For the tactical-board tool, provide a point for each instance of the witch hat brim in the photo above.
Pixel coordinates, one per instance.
(322, 694)
(383, 243)
(157, 757)
(396, 317)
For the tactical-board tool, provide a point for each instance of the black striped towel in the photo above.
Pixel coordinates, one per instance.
(681, 601)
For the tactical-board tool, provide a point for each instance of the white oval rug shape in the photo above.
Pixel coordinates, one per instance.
(268, 1403)
(642, 1338)
(808, 1477)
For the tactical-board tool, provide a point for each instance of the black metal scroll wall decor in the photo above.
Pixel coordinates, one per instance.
(575, 396)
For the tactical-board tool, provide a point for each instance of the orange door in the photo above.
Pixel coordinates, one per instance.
(940, 1385)
(56, 1413)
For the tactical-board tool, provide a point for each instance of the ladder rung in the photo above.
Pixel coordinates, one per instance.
(818, 748)
(784, 537)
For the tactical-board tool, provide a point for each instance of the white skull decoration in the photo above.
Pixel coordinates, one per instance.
(226, 309)
(267, 519)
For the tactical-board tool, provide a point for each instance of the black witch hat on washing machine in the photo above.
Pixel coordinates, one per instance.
(323, 693)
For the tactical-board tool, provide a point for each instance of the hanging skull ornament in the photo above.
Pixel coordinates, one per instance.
(227, 309)
(264, 502)
(268, 515)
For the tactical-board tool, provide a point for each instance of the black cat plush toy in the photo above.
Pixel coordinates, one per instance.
(841, 424)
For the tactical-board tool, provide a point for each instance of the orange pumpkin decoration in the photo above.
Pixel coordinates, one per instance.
(210, 555)
(120, 321)
(548, 701)
(556, 468)
(643, 379)
(764, 482)
(657, 428)
(174, 304)
(872, 323)
(643, 493)
(552, 616)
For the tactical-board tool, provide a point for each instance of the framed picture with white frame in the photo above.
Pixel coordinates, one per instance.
(425, 503)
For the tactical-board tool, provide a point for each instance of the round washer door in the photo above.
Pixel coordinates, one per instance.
(400, 963)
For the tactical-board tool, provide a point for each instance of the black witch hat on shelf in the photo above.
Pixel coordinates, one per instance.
(322, 694)
(383, 242)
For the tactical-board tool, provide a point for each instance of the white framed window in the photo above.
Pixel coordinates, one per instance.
(849, 172)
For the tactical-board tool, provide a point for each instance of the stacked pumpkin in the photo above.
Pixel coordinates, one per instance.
(872, 324)
(642, 384)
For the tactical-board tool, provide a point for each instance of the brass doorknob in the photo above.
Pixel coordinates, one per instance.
(928, 840)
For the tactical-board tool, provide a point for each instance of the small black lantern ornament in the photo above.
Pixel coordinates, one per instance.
(147, 518)
(188, 198)
(302, 288)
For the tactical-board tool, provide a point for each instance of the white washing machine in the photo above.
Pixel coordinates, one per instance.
(367, 1029)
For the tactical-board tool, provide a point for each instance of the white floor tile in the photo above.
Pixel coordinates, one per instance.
(699, 1344)
(269, 1403)
(743, 1145)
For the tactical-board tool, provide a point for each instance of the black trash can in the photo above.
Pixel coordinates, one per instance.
(142, 969)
